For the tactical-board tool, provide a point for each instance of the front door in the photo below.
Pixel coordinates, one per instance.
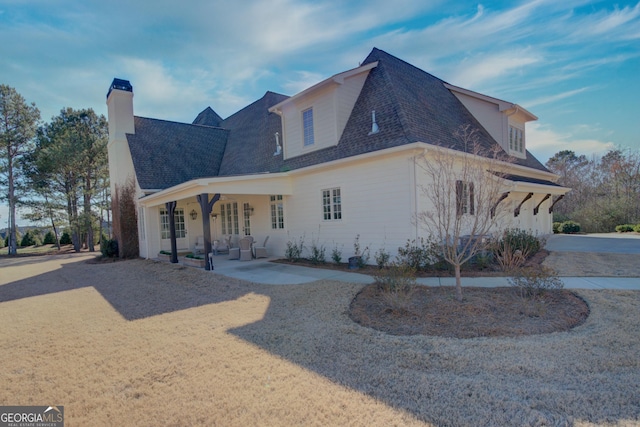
(182, 242)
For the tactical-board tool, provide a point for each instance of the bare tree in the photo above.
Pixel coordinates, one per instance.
(464, 190)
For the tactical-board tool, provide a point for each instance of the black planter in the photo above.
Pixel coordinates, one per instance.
(354, 262)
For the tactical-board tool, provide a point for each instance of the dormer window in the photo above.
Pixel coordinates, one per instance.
(307, 126)
(516, 139)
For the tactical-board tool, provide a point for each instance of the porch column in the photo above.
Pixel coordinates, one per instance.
(206, 206)
(171, 209)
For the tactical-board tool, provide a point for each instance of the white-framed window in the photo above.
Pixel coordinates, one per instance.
(229, 215)
(516, 139)
(246, 215)
(331, 204)
(307, 126)
(277, 212)
(465, 201)
(178, 217)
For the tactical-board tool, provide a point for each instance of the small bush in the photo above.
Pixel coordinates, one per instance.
(336, 255)
(532, 282)
(361, 254)
(49, 238)
(294, 250)
(556, 227)
(2, 243)
(624, 228)
(30, 239)
(65, 239)
(569, 227)
(108, 248)
(382, 258)
(317, 253)
(637, 228)
(397, 284)
(514, 247)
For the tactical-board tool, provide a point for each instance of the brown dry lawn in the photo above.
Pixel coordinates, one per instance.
(147, 343)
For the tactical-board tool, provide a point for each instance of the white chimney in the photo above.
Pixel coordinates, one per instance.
(120, 109)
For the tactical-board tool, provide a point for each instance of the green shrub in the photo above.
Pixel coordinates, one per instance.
(556, 227)
(294, 250)
(2, 243)
(514, 247)
(109, 247)
(336, 255)
(361, 254)
(65, 239)
(382, 258)
(422, 255)
(49, 238)
(624, 228)
(532, 282)
(397, 284)
(317, 253)
(30, 239)
(637, 228)
(569, 227)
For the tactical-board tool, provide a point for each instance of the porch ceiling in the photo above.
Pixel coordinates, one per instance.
(262, 184)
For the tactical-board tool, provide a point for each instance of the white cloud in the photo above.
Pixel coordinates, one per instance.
(544, 142)
(474, 71)
(553, 98)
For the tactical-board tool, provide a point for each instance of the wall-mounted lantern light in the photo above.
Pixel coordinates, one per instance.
(193, 214)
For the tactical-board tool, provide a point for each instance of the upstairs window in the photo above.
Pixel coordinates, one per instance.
(516, 139)
(464, 198)
(331, 204)
(307, 126)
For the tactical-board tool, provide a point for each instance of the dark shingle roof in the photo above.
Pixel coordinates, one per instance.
(252, 141)
(167, 153)
(208, 117)
(411, 105)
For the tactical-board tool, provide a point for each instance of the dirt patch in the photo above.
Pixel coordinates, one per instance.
(485, 312)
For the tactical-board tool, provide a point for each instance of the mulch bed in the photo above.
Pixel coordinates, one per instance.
(484, 312)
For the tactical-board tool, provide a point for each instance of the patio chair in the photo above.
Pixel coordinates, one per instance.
(245, 249)
(199, 245)
(234, 253)
(261, 251)
(221, 247)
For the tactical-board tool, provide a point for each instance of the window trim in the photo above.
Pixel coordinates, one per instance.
(332, 204)
(276, 208)
(516, 139)
(465, 198)
(308, 137)
(165, 228)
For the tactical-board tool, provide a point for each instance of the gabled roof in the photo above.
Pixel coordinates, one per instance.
(411, 106)
(167, 153)
(208, 117)
(252, 140)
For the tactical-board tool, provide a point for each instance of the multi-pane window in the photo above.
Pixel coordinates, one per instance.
(277, 212)
(465, 203)
(246, 215)
(229, 215)
(178, 217)
(307, 126)
(331, 204)
(516, 139)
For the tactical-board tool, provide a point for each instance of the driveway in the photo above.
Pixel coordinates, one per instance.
(619, 243)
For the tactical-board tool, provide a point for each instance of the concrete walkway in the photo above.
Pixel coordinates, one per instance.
(266, 272)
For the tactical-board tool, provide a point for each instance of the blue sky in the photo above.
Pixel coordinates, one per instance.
(574, 64)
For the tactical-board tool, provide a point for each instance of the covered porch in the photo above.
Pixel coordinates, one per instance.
(202, 211)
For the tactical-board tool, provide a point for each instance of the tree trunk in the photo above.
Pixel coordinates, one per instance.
(13, 245)
(87, 212)
(458, 283)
